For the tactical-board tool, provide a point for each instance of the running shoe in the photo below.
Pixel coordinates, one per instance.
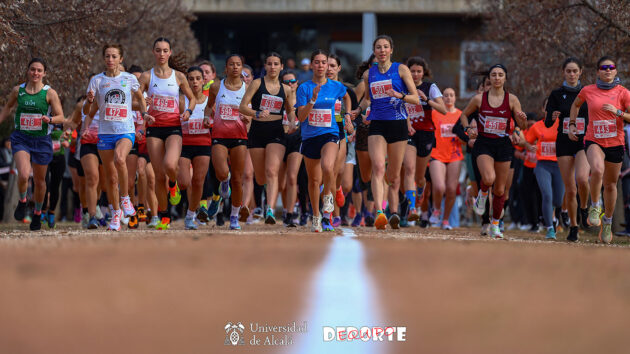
(605, 233)
(202, 214)
(155, 220)
(394, 221)
(164, 224)
(93, 224)
(340, 198)
(369, 219)
(495, 232)
(356, 222)
(584, 218)
(564, 218)
(296, 218)
(501, 225)
(303, 219)
(290, 221)
(328, 204)
(485, 229)
(213, 209)
(404, 222)
(234, 223)
(594, 214)
(326, 226)
(270, 219)
(77, 215)
(381, 220)
(243, 214)
(124, 219)
(20, 211)
(623, 233)
(480, 204)
(336, 221)
(85, 220)
(133, 222)
(36, 223)
(224, 187)
(51, 220)
(102, 219)
(258, 213)
(127, 207)
(446, 225)
(435, 217)
(174, 196)
(149, 216)
(142, 216)
(424, 220)
(535, 228)
(220, 220)
(573, 234)
(250, 219)
(316, 224)
(551, 234)
(413, 215)
(114, 223)
(189, 223)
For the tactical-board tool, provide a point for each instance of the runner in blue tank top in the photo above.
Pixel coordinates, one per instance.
(390, 86)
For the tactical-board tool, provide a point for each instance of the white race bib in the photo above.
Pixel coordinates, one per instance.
(320, 118)
(115, 112)
(446, 130)
(229, 112)
(379, 88)
(579, 124)
(495, 125)
(270, 103)
(165, 104)
(30, 121)
(605, 128)
(548, 148)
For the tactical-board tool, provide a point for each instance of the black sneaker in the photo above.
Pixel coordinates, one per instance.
(303, 219)
(394, 221)
(535, 228)
(424, 223)
(369, 219)
(36, 223)
(573, 234)
(288, 220)
(220, 221)
(584, 219)
(20, 211)
(564, 218)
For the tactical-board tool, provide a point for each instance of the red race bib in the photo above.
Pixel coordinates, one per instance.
(30, 121)
(579, 124)
(115, 112)
(165, 104)
(379, 88)
(605, 128)
(320, 118)
(495, 125)
(270, 103)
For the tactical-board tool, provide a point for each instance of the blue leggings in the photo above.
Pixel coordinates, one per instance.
(551, 188)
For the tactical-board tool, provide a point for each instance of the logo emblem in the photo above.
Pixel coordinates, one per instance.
(564, 96)
(232, 335)
(115, 96)
(154, 85)
(501, 112)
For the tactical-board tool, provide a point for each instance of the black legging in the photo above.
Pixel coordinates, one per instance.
(302, 181)
(531, 196)
(54, 176)
(210, 184)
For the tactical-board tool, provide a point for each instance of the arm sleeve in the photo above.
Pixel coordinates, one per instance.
(434, 92)
(551, 106)
(458, 129)
(135, 85)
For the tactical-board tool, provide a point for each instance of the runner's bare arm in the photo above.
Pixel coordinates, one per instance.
(471, 108)
(405, 74)
(57, 112)
(519, 115)
(303, 111)
(212, 98)
(438, 105)
(247, 99)
(11, 102)
(348, 116)
(575, 108)
(75, 119)
(185, 88)
(89, 118)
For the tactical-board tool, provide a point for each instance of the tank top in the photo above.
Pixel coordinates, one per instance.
(227, 119)
(263, 100)
(421, 115)
(29, 112)
(383, 106)
(139, 122)
(164, 95)
(193, 130)
(494, 122)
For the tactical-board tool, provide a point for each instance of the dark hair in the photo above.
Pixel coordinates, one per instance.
(385, 37)
(82, 97)
(177, 62)
(498, 65)
(572, 60)
(531, 116)
(245, 66)
(274, 54)
(206, 62)
(113, 45)
(134, 69)
(364, 66)
(231, 56)
(421, 62)
(37, 60)
(335, 57)
(317, 52)
(162, 39)
(288, 72)
(604, 58)
(194, 68)
(450, 88)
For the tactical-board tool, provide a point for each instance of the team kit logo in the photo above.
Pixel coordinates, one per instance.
(115, 96)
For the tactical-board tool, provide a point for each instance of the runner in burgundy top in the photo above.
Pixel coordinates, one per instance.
(493, 148)
(608, 103)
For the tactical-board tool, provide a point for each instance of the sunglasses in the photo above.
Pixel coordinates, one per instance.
(292, 81)
(606, 67)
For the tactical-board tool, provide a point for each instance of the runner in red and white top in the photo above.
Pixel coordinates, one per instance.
(608, 104)
(163, 84)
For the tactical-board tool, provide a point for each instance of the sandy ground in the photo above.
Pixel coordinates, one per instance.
(71, 291)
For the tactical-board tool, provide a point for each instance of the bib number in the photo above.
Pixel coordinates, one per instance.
(115, 112)
(379, 88)
(446, 130)
(415, 112)
(165, 104)
(229, 112)
(320, 118)
(270, 103)
(579, 124)
(29, 121)
(547, 148)
(495, 125)
(56, 145)
(196, 127)
(531, 156)
(605, 129)
(337, 108)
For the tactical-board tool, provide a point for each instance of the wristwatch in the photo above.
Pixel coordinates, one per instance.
(619, 113)
(188, 110)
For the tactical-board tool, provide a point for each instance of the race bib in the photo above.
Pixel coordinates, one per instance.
(605, 128)
(495, 125)
(548, 148)
(337, 107)
(579, 124)
(270, 103)
(139, 119)
(56, 145)
(530, 156)
(196, 127)
(166, 104)
(115, 112)
(320, 118)
(367, 112)
(379, 88)
(229, 112)
(446, 130)
(30, 121)
(414, 111)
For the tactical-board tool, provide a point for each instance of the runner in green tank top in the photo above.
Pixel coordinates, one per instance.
(36, 106)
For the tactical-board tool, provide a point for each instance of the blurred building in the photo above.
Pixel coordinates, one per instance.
(441, 31)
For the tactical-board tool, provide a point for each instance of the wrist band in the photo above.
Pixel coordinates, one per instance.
(572, 123)
(257, 114)
(312, 102)
(619, 113)
(188, 110)
(403, 97)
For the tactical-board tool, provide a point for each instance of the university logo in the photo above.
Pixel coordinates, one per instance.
(234, 334)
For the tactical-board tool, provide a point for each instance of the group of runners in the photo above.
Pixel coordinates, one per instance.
(391, 146)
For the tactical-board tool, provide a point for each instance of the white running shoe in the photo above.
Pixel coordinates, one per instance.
(329, 207)
(127, 207)
(480, 204)
(154, 221)
(435, 217)
(485, 229)
(114, 223)
(495, 232)
(446, 225)
(316, 224)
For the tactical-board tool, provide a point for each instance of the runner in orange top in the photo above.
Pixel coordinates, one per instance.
(604, 139)
(547, 171)
(446, 158)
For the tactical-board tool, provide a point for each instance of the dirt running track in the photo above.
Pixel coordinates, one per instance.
(71, 291)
